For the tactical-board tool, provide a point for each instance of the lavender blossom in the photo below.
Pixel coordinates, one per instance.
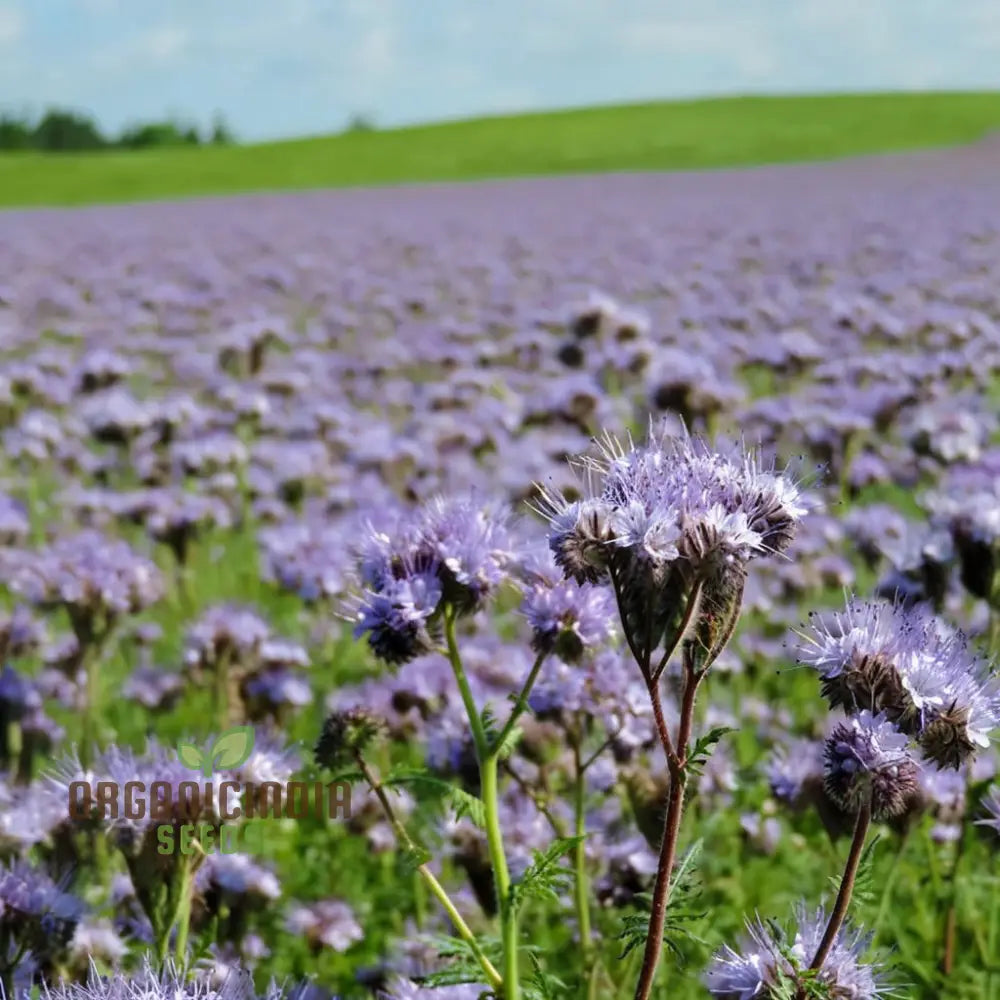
(328, 923)
(567, 619)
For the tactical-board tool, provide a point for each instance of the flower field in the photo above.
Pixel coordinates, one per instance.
(613, 560)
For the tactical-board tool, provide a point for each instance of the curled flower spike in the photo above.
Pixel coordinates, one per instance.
(345, 735)
(673, 526)
(867, 757)
(906, 664)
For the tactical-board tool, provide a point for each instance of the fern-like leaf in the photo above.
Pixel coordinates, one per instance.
(545, 877)
(698, 755)
(543, 985)
(865, 890)
(461, 802)
(685, 890)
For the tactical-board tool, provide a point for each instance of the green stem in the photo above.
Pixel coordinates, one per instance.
(581, 885)
(222, 692)
(489, 790)
(521, 702)
(419, 902)
(498, 860)
(455, 659)
(437, 890)
(993, 939)
(951, 914)
(182, 918)
(90, 707)
(890, 884)
(993, 632)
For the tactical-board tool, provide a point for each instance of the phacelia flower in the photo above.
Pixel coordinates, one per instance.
(673, 522)
(991, 807)
(769, 963)
(567, 619)
(868, 758)
(906, 664)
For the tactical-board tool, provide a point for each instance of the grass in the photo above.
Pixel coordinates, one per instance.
(657, 136)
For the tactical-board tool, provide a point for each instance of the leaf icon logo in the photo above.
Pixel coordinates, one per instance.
(231, 749)
(191, 756)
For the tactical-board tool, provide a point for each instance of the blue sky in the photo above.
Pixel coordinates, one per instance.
(279, 68)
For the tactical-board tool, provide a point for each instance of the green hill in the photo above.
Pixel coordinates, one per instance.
(659, 136)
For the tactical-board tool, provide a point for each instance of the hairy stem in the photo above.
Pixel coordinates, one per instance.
(455, 659)
(182, 918)
(843, 902)
(677, 761)
(489, 788)
(521, 703)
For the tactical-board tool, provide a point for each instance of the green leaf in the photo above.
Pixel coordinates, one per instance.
(544, 985)
(698, 756)
(459, 800)
(510, 741)
(545, 877)
(461, 965)
(685, 889)
(190, 756)
(865, 890)
(233, 748)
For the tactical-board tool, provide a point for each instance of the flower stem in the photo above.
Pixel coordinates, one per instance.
(437, 890)
(475, 722)
(92, 692)
(843, 902)
(581, 894)
(183, 915)
(521, 703)
(222, 692)
(890, 884)
(951, 915)
(677, 762)
(489, 762)
(498, 860)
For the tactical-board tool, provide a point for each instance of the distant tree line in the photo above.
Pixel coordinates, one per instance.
(62, 131)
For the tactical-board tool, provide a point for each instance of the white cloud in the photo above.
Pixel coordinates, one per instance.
(11, 25)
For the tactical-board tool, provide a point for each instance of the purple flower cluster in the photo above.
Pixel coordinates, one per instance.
(672, 522)
(905, 663)
(768, 964)
(454, 553)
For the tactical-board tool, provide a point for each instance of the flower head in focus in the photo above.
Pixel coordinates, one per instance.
(672, 525)
(769, 963)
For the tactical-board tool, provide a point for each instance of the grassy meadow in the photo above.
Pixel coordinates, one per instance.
(689, 135)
